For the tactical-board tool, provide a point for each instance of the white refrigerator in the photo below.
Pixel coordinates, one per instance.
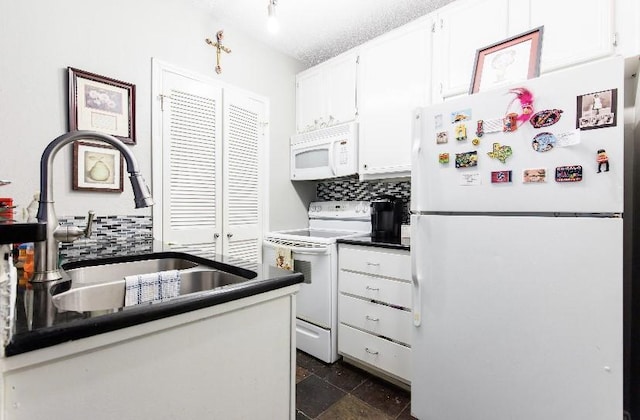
(517, 251)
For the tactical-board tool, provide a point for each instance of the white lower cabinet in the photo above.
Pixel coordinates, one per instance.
(374, 309)
(235, 360)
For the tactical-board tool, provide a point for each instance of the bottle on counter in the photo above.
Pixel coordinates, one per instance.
(31, 211)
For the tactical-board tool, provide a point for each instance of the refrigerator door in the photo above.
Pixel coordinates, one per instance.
(443, 187)
(521, 318)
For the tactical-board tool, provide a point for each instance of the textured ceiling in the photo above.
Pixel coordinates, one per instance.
(314, 30)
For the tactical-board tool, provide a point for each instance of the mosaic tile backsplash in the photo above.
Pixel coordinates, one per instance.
(111, 235)
(352, 189)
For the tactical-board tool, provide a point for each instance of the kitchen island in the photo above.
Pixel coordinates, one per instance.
(221, 353)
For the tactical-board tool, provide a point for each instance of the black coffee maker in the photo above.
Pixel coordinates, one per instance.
(386, 218)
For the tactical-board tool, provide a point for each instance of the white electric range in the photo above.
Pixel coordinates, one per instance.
(315, 254)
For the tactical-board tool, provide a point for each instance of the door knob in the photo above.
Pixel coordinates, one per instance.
(216, 235)
(229, 235)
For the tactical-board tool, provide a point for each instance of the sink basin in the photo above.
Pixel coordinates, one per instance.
(102, 287)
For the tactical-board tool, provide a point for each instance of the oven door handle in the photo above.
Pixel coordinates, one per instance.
(299, 249)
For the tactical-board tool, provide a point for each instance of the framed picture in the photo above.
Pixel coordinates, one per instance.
(512, 60)
(97, 167)
(597, 110)
(98, 103)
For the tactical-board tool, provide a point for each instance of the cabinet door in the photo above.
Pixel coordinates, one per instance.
(393, 75)
(243, 164)
(192, 158)
(310, 99)
(340, 88)
(460, 30)
(573, 33)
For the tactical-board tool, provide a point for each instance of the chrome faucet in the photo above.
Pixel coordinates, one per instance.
(46, 253)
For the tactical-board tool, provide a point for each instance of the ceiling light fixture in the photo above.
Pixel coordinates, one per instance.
(272, 21)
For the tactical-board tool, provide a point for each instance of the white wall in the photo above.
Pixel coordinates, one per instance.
(39, 39)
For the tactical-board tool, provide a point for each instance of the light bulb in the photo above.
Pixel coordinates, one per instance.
(272, 21)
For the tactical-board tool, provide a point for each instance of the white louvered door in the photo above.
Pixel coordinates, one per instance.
(243, 149)
(208, 187)
(192, 159)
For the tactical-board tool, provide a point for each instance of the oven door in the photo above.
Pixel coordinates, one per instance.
(315, 300)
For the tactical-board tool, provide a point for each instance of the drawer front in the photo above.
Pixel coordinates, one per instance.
(393, 292)
(375, 318)
(388, 263)
(383, 354)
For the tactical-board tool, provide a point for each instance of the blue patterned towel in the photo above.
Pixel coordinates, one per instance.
(151, 287)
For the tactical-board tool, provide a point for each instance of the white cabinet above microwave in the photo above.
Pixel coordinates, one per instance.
(330, 152)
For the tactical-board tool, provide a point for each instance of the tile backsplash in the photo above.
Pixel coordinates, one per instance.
(111, 235)
(352, 189)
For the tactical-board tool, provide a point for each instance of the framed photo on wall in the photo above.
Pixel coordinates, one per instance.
(513, 60)
(97, 167)
(98, 103)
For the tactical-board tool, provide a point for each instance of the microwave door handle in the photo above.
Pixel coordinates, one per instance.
(332, 165)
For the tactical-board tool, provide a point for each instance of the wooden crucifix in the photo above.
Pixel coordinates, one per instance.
(219, 47)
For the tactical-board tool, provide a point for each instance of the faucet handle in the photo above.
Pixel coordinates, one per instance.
(89, 228)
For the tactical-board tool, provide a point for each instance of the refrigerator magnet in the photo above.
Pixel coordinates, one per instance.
(476, 141)
(470, 179)
(568, 139)
(443, 158)
(501, 177)
(545, 118)
(597, 110)
(492, 126)
(442, 137)
(603, 160)
(509, 122)
(437, 121)
(480, 128)
(461, 132)
(543, 142)
(467, 159)
(534, 175)
(571, 173)
(500, 152)
(462, 115)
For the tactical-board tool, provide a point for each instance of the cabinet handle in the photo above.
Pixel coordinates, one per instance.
(373, 264)
(370, 351)
(372, 288)
(370, 318)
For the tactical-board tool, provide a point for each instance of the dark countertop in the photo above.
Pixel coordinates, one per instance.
(69, 325)
(400, 243)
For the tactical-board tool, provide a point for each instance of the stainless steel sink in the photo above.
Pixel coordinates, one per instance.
(102, 287)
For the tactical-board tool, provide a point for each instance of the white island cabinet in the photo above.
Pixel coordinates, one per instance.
(374, 310)
(234, 360)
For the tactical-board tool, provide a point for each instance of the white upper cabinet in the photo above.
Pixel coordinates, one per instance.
(460, 29)
(393, 81)
(326, 93)
(573, 32)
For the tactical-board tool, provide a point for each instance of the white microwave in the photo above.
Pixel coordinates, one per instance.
(329, 152)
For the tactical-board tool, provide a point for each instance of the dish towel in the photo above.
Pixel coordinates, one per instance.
(151, 287)
(284, 258)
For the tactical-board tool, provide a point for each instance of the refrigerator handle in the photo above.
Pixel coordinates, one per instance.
(415, 277)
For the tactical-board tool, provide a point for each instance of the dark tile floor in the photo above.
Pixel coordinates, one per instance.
(340, 391)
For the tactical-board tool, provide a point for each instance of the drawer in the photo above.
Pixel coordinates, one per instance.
(394, 263)
(393, 292)
(382, 354)
(375, 318)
